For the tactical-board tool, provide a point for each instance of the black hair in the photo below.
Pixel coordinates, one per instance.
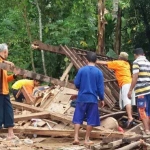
(138, 51)
(36, 80)
(91, 56)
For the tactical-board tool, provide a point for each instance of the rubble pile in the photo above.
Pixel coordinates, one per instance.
(50, 114)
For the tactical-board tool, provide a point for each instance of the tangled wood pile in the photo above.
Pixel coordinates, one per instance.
(50, 114)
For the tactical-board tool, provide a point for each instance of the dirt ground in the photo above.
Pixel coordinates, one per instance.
(60, 144)
(45, 143)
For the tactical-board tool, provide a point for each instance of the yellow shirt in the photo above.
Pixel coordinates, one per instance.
(28, 84)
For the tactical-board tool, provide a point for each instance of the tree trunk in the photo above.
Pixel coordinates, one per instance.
(29, 35)
(40, 34)
(101, 27)
(115, 8)
(117, 44)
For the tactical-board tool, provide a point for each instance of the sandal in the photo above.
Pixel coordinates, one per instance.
(75, 142)
(11, 138)
(129, 124)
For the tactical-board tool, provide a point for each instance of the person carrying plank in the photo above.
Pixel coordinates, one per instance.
(122, 71)
(6, 109)
(90, 83)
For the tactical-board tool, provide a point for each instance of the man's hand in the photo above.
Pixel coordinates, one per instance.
(101, 104)
(9, 63)
(129, 94)
(73, 97)
(34, 46)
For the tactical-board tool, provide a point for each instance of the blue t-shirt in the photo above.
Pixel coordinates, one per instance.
(90, 82)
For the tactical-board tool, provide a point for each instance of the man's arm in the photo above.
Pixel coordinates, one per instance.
(133, 83)
(100, 86)
(101, 62)
(77, 79)
(134, 78)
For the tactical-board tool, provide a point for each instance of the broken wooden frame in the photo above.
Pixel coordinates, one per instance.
(34, 75)
(78, 59)
(40, 113)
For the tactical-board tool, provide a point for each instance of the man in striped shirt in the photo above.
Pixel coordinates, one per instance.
(141, 83)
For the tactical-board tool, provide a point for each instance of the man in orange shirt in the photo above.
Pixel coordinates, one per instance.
(6, 110)
(29, 86)
(123, 75)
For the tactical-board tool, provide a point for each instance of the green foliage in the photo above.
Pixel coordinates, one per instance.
(72, 23)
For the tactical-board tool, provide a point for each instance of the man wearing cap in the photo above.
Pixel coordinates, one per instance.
(121, 68)
(141, 82)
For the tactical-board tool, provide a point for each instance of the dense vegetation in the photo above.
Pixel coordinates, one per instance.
(74, 23)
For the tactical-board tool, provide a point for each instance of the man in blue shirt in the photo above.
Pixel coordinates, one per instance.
(90, 83)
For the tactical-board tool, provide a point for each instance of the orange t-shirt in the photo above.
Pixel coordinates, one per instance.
(122, 71)
(4, 79)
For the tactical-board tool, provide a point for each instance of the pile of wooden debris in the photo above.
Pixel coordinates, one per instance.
(52, 111)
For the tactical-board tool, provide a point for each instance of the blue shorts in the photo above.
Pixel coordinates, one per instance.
(143, 105)
(6, 112)
(88, 110)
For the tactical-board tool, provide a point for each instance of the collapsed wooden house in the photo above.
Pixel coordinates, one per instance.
(78, 60)
(51, 113)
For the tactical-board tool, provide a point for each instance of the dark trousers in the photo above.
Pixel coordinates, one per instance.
(6, 111)
(19, 98)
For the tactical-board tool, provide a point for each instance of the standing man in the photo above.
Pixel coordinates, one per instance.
(6, 110)
(89, 80)
(123, 75)
(29, 86)
(141, 82)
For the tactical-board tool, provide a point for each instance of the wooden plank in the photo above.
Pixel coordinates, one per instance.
(67, 70)
(28, 98)
(135, 128)
(23, 106)
(38, 115)
(38, 45)
(68, 119)
(72, 58)
(130, 146)
(34, 75)
(115, 143)
(116, 114)
(60, 133)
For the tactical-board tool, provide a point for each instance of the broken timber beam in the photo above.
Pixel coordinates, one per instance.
(67, 119)
(130, 146)
(66, 72)
(23, 106)
(115, 143)
(38, 45)
(34, 75)
(113, 114)
(39, 115)
(56, 133)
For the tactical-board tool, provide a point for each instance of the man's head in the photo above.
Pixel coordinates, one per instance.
(36, 82)
(91, 57)
(138, 52)
(4, 50)
(123, 56)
